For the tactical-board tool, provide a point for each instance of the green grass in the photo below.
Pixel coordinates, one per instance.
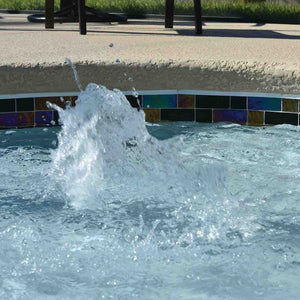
(258, 11)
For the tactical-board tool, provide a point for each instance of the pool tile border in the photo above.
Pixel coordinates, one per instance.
(230, 115)
(255, 109)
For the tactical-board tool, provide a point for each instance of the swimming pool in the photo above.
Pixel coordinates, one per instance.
(110, 207)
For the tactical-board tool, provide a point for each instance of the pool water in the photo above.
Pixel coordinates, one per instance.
(108, 207)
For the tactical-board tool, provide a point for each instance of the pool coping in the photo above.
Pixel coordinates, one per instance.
(151, 92)
(227, 57)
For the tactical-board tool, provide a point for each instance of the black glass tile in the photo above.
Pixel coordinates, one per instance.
(204, 115)
(274, 118)
(55, 117)
(7, 105)
(203, 101)
(134, 101)
(239, 102)
(25, 104)
(177, 115)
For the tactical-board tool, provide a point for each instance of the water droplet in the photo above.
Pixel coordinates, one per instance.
(9, 132)
(135, 94)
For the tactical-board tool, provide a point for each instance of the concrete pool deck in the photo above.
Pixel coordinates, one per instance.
(237, 57)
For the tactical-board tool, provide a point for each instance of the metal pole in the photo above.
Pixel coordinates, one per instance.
(82, 16)
(169, 15)
(198, 16)
(49, 22)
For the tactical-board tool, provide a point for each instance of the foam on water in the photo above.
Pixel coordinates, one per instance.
(197, 212)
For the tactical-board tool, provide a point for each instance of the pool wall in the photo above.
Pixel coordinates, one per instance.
(256, 109)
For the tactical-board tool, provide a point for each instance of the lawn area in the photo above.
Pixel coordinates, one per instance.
(254, 11)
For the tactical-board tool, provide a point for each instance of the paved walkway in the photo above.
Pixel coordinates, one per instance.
(227, 57)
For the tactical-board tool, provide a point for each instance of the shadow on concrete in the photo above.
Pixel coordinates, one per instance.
(9, 23)
(230, 33)
(259, 24)
(242, 33)
(40, 30)
(159, 22)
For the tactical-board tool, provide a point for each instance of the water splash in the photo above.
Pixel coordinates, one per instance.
(68, 61)
(105, 156)
(103, 138)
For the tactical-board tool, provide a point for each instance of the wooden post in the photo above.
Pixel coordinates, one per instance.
(169, 15)
(82, 16)
(49, 23)
(198, 17)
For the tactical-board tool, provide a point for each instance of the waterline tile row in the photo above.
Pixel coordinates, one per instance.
(17, 111)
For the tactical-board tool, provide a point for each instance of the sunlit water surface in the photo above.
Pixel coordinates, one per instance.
(102, 209)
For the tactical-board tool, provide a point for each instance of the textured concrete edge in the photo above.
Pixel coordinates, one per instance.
(210, 75)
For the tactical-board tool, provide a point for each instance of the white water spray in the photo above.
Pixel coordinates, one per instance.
(68, 61)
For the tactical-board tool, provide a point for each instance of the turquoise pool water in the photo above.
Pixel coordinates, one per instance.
(108, 207)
